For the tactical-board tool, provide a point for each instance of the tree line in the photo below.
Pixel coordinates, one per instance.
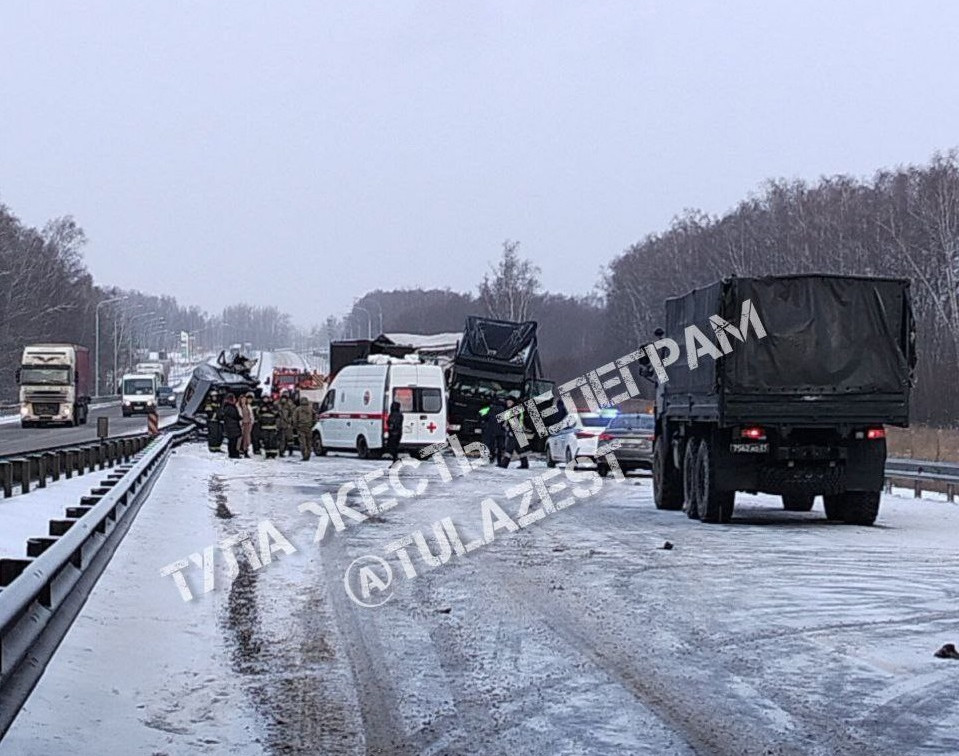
(902, 222)
(48, 295)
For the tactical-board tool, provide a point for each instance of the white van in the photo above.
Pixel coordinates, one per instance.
(357, 403)
(138, 393)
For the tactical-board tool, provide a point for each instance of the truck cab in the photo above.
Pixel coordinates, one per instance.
(54, 385)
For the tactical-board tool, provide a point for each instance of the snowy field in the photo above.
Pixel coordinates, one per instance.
(576, 634)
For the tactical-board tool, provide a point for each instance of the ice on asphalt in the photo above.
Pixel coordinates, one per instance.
(778, 633)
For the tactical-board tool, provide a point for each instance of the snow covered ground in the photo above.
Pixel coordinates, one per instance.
(27, 516)
(777, 634)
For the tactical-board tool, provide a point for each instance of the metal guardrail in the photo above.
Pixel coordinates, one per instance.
(38, 465)
(920, 472)
(41, 595)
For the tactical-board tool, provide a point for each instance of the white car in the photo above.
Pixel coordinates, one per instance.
(578, 443)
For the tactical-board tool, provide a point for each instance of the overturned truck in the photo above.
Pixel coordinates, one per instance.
(496, 360)
(797, 403)
(230, 375)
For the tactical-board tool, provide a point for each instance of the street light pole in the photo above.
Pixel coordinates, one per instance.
(380, 308)
(130, 322)
(96, 358)
(369, 322)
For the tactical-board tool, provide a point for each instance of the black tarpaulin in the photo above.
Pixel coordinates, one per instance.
(824, 334)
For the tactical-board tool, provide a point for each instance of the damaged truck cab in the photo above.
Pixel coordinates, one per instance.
(798, 408)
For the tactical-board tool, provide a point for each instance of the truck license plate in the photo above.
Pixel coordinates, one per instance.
(756, 448)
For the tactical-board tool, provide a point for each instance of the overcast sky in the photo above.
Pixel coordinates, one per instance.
(301, 153)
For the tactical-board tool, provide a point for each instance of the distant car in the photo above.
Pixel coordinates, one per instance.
(634, 432)
(166, 397)
(578, 443)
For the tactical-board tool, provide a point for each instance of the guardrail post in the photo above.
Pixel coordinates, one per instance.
(6, 478)
(41, 469)
(10, 569)
(917, 489)
(36, 546)
(59, 527)
(52, 462)
(950, 492)
(22, 466)
(887, 486)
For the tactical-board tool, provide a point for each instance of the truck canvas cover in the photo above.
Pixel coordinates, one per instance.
(499, 348)
(827, 338)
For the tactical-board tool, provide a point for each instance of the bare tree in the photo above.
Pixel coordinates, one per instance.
(508, 290)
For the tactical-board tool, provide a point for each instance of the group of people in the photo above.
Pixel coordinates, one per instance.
(499, 438)
(258, 425)
(261, 425)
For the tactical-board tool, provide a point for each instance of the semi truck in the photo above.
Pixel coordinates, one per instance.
(806, 373)
(495, 360)
(55, 384)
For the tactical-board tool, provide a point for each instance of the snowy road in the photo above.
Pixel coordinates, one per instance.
(777, 634)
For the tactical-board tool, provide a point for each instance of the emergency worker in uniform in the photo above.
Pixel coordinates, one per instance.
(268, 421)
(303, 425)
(214, 426)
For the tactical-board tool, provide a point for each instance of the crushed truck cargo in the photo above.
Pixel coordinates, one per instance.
(799, 412)
(496, 360)
(230, 375)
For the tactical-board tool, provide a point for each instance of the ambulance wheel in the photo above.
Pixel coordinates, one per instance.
(362, 448)
(318, 449)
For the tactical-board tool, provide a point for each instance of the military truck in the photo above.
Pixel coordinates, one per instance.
(799, 411)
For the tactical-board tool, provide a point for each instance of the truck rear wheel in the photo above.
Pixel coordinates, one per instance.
(667, 480)
(690, 489)
(798, 502)
(832, 503)
(713, 505)
(860, 507)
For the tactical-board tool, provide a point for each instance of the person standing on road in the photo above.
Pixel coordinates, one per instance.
(232, 429)
(511, 446)
(246, 424)
(394, 431)
(214, 425)
(492, 430)
(303, 424)
(255, 431)
(287, 408)
(268, 427)
(282, 424)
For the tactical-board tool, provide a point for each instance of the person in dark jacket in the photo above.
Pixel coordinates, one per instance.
(232, 428)
(492, 430)
(214, 426)
(268, 427)
(394, 431)
(511, 445)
